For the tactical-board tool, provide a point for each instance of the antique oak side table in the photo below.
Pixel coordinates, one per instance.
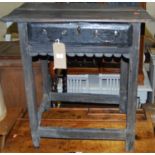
(86, 29)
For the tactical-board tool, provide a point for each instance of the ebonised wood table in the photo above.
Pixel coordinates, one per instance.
(86, 29)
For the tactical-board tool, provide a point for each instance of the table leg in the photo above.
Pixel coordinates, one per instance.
(46, 80)
(123, 85)
(152, 80)
(29, 82)
(132, 88)
(64, 79)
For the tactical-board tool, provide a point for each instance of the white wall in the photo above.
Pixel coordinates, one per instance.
(150, 6)
(5, 8)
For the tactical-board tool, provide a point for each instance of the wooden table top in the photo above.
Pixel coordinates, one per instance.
(73, 12)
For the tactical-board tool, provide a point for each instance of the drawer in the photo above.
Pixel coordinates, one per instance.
(103, 34)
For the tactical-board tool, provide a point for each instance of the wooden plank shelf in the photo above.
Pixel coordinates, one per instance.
(69, 117)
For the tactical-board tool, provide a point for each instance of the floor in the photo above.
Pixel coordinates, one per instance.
(19, 139)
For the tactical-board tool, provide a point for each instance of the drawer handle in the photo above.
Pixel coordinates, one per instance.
(115, 33)
(44, 31)
(64, 32)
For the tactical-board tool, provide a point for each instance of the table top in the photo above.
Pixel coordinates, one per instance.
(73, 12)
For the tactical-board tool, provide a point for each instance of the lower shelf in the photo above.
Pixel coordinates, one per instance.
(74, 133)
(102, 84)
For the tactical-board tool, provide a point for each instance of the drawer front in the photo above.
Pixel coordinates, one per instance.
(106, 34)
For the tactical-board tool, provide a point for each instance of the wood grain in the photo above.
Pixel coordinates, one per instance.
(144, 133)
(11, 75)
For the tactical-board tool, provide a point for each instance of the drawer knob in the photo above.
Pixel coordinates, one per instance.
(78, 30)
(96, 33)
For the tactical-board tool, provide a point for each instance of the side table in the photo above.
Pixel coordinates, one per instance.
(86, 29)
